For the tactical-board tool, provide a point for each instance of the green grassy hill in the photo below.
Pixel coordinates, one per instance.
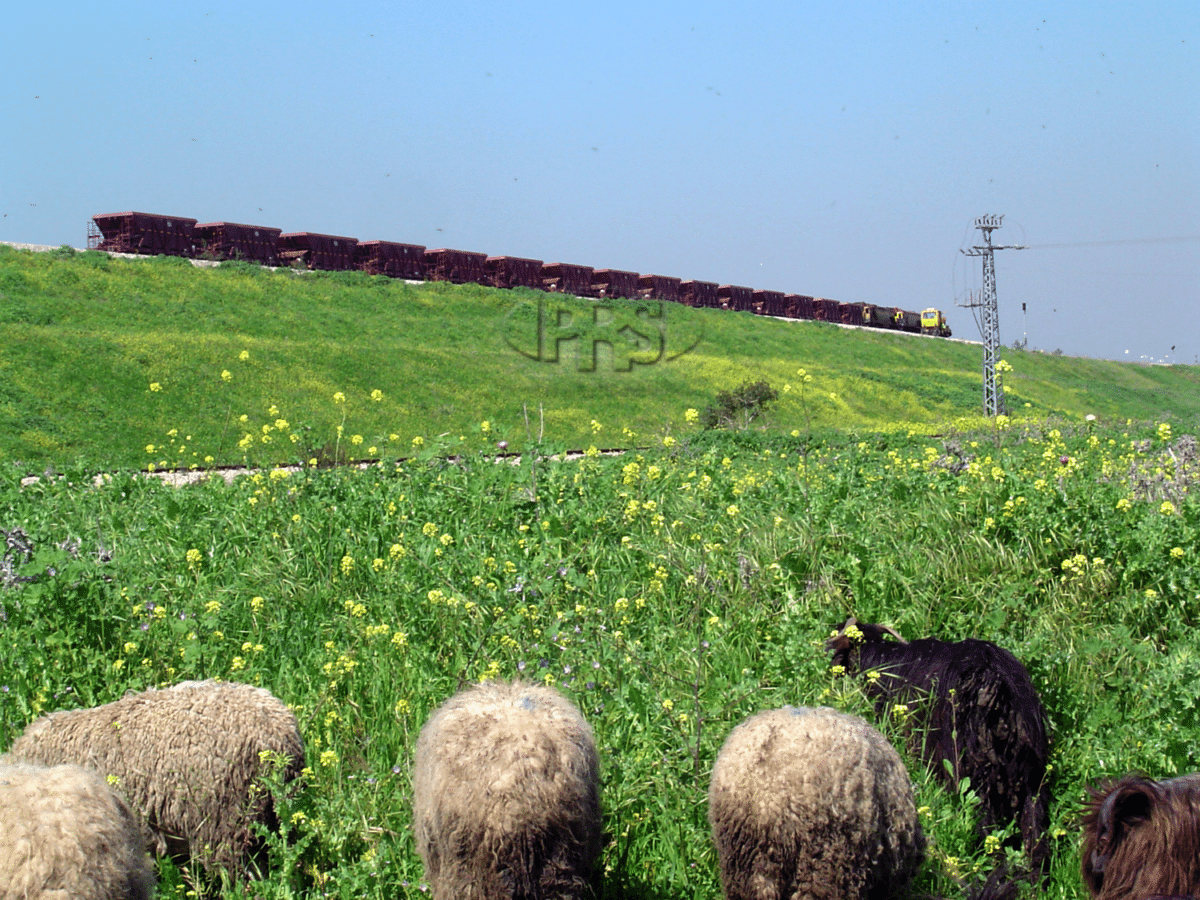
(105, 357)
(669, 592)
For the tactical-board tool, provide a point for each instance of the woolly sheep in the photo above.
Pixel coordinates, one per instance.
(812, 803)
(187, 758)
(506, 795)
(976, 708)
(65, 834)
(1142, 838)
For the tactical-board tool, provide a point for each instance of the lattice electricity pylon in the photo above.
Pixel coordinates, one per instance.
(989, 321)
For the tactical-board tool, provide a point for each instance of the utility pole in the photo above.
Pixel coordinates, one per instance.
(993, 396)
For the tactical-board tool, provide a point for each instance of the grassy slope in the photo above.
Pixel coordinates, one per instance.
(84, 337)
(1089, 579)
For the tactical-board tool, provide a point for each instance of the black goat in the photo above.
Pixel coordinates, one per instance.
(974, 706)
(1142, 838)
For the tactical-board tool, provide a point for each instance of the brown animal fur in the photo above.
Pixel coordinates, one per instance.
(814, 804)
(975, 707)
(1142, 837)
(65, 835)
(506, 795)
(186, 757)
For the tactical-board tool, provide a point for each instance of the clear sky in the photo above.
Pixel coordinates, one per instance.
(838, 150)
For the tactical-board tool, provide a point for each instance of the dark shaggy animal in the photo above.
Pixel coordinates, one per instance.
(972, 705)
(1142, 838)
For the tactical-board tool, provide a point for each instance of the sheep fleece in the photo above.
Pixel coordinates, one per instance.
(186, 757)
(506, 795)
(809, 804)
(65, 834)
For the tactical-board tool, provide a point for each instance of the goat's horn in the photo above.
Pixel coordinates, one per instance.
(894, 633)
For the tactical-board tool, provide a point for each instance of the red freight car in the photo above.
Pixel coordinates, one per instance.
(798, 306)
(614, 283)
(565, 278)
(330, 252)
(391, 259)
(699, 293)
(659, 287)
(827, 310)
(768, 303)
(852, 314)
(457, 266)
(735, 297)
(135, 232)
(513, 271)
(229, 240)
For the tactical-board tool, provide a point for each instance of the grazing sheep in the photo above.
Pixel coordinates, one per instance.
(187, 758)
(506, 795)
(814, 804)
(65, 834)
(1142, 838)
(982, 715)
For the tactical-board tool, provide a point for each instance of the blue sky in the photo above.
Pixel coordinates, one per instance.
(841, 151)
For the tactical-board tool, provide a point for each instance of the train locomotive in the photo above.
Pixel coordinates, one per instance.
(153, 234)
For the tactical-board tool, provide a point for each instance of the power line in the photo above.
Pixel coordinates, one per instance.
(1165, 240)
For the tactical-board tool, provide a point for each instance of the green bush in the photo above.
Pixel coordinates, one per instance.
(737, 409)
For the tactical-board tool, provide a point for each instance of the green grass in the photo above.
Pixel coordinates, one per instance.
(670, 593)
(85, 336)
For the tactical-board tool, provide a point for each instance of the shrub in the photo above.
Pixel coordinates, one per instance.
(738, 408)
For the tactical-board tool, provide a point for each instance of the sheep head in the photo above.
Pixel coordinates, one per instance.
(852, 634)
(1142, 837)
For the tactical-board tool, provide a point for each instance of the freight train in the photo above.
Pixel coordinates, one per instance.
(148, 233)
